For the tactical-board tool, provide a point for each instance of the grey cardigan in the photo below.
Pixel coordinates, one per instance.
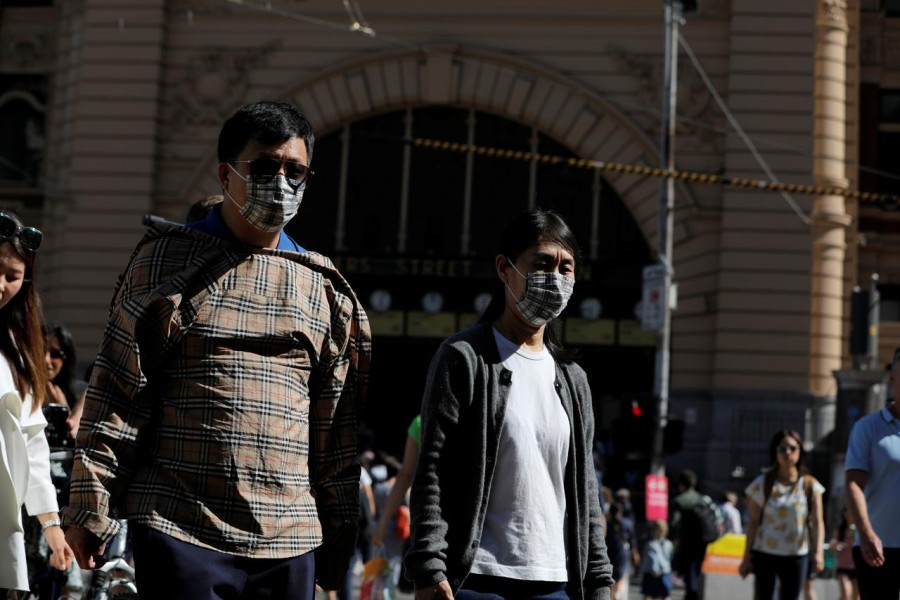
(462, 416)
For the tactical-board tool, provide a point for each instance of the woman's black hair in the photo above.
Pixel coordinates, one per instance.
(776, 441)
(65, 379)
(522, 232)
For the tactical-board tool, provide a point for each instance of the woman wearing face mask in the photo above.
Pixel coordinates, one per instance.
(504, 501)
(25, 468)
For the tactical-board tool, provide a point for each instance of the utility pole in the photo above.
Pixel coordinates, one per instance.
(673, 15)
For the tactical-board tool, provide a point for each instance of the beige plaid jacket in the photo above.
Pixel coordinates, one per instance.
(224, 403)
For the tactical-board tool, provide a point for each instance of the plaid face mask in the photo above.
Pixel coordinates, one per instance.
(271, 204)
(546, 296)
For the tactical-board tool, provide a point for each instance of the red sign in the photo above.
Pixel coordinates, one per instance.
(656, 489)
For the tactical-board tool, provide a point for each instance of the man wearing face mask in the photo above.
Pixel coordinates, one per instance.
(504, 501)
(221, 417)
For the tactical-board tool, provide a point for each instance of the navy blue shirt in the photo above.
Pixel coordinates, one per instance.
(214, 225)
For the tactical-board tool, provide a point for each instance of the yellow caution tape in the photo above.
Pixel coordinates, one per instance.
(690, 176)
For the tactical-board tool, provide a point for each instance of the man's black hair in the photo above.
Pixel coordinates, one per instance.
(688, 479)
(269, 123)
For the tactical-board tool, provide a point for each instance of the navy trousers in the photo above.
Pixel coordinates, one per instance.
(878, 583)
(485, 587)
(170, 569)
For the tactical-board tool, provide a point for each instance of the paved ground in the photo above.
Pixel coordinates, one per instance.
(634, 590)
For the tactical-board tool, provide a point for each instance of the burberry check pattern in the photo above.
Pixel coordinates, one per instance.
(224, 403)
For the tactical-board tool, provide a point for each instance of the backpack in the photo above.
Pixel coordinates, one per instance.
(710, 520)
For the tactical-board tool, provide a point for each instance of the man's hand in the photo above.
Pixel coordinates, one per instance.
(440, 591)
(86, 546)
(871, 548)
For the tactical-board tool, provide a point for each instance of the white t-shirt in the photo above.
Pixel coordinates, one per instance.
(784, 528)
(524, 529)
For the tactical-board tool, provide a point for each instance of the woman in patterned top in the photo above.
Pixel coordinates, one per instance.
(785, 521)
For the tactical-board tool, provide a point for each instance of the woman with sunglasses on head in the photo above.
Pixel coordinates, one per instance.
(504, 499)
(786, 521)
(25, 469)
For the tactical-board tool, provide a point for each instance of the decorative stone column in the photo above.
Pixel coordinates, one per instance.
(830, 218)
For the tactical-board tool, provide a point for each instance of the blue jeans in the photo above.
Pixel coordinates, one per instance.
(789, 570)
(485, 587)
(170, 569)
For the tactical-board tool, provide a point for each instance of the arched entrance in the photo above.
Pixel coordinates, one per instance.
(412, 228)
(417, 240)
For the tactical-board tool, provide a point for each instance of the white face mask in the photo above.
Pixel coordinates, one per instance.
(269, 205)
(546, 295)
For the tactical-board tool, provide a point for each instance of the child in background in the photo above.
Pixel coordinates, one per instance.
(656, 563)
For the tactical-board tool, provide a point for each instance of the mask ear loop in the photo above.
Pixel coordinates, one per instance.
(225, 191)
(510, 263)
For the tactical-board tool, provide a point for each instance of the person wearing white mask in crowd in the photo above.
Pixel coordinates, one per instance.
(504, 502)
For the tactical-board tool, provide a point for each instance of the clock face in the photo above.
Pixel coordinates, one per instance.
(432, 302)
(481, 302)
(590, 309)
(380, 300)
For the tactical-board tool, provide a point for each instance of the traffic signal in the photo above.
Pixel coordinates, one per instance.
(632, 433)
(673, 436)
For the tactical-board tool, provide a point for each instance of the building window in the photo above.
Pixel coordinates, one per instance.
(892, 8)
(22, 116)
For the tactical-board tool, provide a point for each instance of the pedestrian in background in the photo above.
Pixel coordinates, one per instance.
(23, 388)
(505, 501)
(656, 563)
(732, 514)
(872, 472)
(842, 545)
(621, 545)
(687, 532)
(786, 530)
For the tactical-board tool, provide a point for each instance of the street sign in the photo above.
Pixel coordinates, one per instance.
(656, 494)
(653, 297)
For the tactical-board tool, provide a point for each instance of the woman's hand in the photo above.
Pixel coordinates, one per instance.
(819, 561)
(441, 591)
(746, 567)
(62, 555)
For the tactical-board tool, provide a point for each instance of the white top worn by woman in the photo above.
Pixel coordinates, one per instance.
(524, 528)
(784, 530)
(24, 476)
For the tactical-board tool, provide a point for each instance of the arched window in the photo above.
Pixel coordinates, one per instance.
(22, 142)
(414, 231)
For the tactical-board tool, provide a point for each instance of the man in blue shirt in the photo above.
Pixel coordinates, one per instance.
(873, 484)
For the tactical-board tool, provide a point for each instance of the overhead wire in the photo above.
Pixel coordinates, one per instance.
(360, 25)
(732, 120)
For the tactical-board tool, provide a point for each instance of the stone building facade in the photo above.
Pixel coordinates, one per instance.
(127, 98)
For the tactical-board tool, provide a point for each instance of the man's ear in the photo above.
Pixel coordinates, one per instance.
(223, 173)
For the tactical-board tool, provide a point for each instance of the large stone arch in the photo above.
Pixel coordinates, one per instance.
(557, 105)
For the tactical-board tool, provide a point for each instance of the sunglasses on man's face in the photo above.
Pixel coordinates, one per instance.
(59, 354)
(265, 168)
(29, 237)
